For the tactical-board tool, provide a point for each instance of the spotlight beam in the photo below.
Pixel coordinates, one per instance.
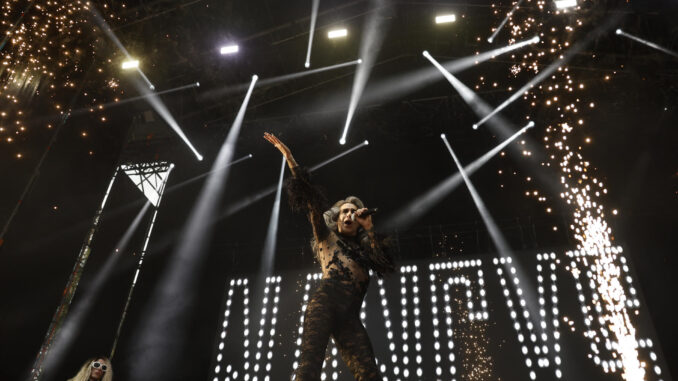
(646, 42)
(249, 200)
(314, 16)
(407, 83)
(422, 204)
(339, 156)
(108, 105)
(146, 91)
(508, 15)
(71, 327)
(268, 256)
(500, 126)
(209, 173)
(174, 293)
(466, 62)
(370, 44)
(274, 80)
(495, 234)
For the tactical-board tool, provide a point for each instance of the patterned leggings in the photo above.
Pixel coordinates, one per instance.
(333, 310)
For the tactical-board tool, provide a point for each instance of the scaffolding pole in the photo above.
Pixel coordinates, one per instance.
(139, 264)
(69, 290)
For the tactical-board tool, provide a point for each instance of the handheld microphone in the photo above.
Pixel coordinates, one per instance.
(368, 212)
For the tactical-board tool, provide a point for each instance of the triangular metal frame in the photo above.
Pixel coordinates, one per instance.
(149, 178)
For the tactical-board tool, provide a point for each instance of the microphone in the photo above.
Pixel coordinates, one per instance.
(368, 212)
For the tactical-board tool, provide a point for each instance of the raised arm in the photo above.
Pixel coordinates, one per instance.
(284, 150)
(303, 195)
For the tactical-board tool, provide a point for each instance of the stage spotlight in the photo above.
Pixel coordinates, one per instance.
(445, 19)
(564, 4)
(645, 42)
(130, 64)
(229, 49)
(337, 33)
(314, 17)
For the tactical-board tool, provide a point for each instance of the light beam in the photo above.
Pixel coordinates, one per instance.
(267, 259)
(314, 16)
(174, 294)
(497, 238)
(646, 42)
(147, 90)
(249, 200)
(422, 204)
(274, 80)
(370, 44)
(397, 86)
(560, 62)
(71, 327)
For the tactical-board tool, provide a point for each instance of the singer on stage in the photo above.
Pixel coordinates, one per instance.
(345, 244)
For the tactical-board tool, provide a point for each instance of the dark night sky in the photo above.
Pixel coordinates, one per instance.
(633, 150)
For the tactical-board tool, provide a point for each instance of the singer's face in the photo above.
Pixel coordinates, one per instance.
(345, 223)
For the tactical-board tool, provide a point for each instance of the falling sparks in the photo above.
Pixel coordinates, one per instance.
(47, 49)
(563, 98)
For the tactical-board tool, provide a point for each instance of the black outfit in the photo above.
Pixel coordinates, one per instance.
(333, 310)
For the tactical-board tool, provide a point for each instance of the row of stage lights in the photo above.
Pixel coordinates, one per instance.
(331, 34)
(343, 32)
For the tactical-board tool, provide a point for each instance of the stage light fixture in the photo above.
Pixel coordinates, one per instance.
(564, 4)
(229, 49)
(446, 19)
(337, 33)
(130, 64)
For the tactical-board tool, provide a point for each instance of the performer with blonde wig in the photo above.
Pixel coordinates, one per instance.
(347, 247)
(95, 369)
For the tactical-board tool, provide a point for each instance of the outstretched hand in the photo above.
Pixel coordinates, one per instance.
(278, 144)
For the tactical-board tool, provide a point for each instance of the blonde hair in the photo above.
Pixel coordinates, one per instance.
(86, 370)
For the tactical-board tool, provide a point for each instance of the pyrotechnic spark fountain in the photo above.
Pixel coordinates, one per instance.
(582, 190)
(422, 204)
(370, 44)
(175, 291)
(646, 42)
(314, 17)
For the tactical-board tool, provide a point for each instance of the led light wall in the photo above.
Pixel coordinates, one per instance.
(459, 319)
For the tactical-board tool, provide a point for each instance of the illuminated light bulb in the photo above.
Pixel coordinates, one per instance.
(337, 33)
(229, 49)
(445, 19)
(130, 64)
